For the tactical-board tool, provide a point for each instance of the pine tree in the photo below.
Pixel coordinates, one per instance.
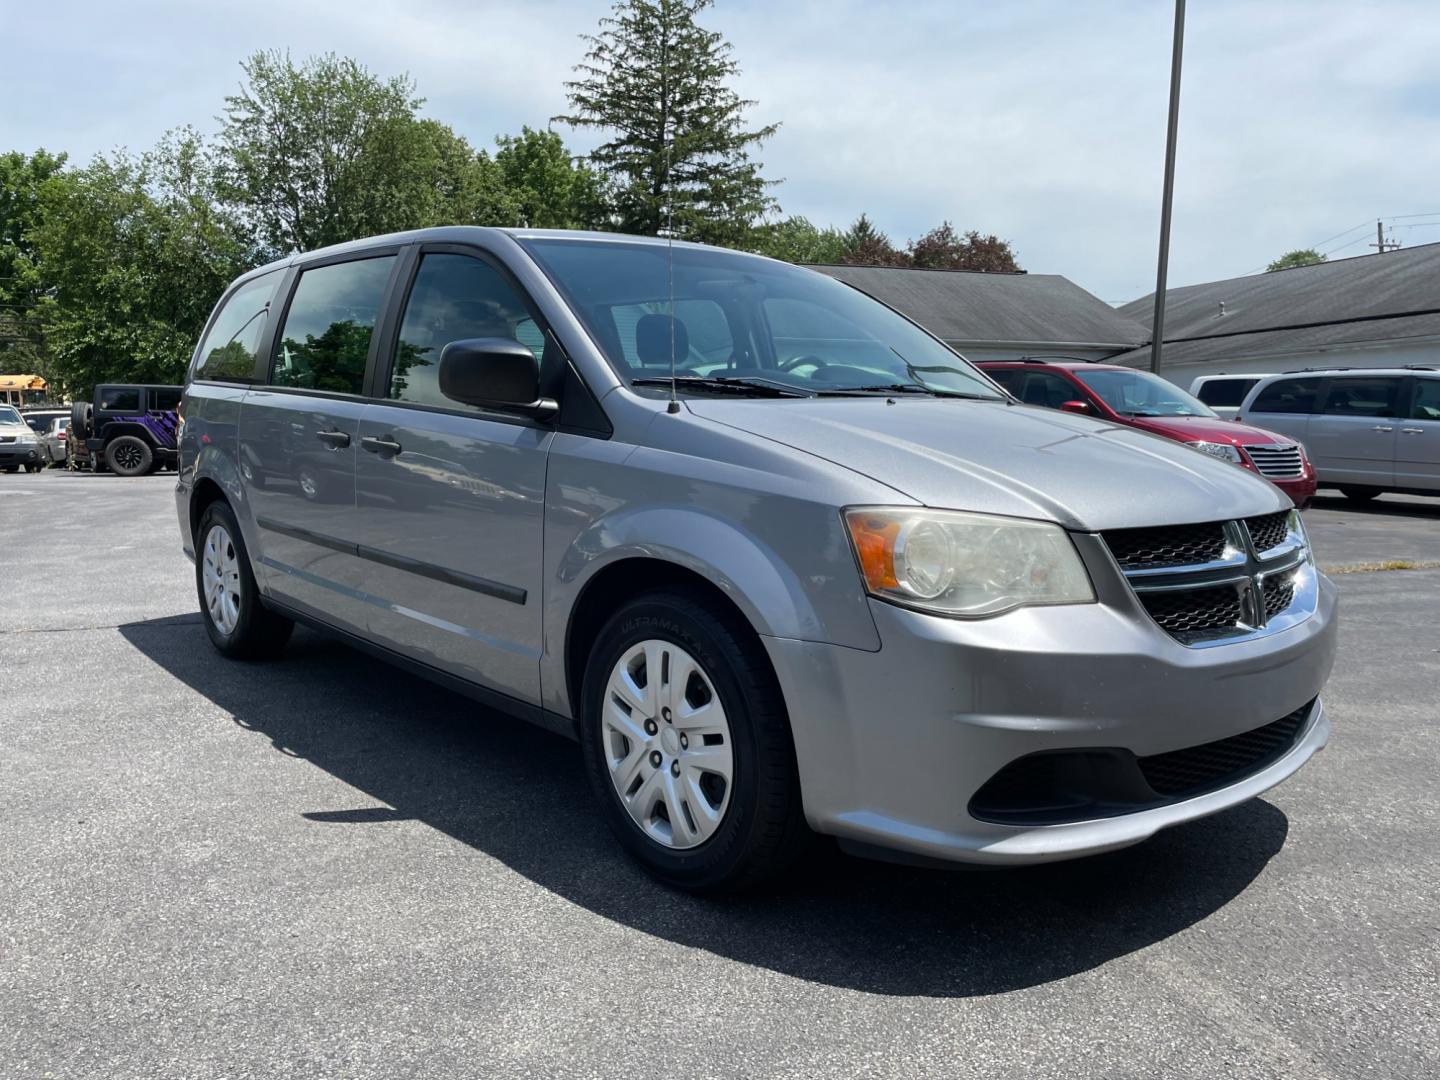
(865, 245)
(679, 147)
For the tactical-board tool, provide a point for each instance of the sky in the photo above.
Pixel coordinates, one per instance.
(1042, 122)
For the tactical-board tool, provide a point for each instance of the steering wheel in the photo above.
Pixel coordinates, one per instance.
(797, 361)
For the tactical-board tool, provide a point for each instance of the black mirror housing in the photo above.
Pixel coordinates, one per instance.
(494, 373)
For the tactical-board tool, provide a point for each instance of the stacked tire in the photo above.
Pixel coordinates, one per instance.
(81, 424)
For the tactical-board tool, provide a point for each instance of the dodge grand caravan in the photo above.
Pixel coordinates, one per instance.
(781, 561)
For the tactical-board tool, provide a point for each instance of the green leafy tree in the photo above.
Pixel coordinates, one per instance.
(548, 188)
(798, 240)
(942, 248)
(132, 254)
(678, 142)
(324, 151)
(1300, 257)
(22, 337)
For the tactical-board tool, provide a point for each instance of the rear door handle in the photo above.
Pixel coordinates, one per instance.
(1382, 427)
(336, 440)
(380, 446)
(1413, 430)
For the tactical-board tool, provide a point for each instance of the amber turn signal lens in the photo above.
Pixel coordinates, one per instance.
(874, 537)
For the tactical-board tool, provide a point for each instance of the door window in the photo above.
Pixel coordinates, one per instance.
(1047, 389)
(1362, 396)
(1288, 396)
(229, 350)
(164, 399)
(1426, 405)
(326, 337)
(455, 297)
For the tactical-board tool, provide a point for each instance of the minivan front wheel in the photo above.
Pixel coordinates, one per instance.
(688, 744)
(237, 623)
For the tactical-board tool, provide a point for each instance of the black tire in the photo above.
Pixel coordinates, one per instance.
(33, 468)
(259, 633)
(1359, 494)
(129, 455)
(80, 419)
(763, 831)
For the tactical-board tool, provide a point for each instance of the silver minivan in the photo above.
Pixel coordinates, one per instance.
(1367, 430)
(781, 562)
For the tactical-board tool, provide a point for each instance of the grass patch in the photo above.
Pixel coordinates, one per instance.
(1388, 564)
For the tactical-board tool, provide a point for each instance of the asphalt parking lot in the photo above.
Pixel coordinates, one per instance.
(324, 867)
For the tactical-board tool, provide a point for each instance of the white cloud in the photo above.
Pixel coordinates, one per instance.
(1043, 122)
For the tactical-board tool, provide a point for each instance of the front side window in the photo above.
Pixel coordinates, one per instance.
(1139, 393)
(1426, 405)
(455, 297)
(326, 337)
(1288, 396)
(166, 399)
(1046, 389)
(1362, 397)
(751, 322)
(1227, 393)
(120, 399)
(230, 349)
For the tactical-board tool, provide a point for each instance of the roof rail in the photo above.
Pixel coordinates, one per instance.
(1043, 358)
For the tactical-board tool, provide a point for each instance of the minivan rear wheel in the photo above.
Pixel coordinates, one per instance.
(238, 624)
(1359, 494)
(688, 745)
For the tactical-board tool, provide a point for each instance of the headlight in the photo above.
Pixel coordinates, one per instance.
(28, 439)
(955, 563)
(1217, 449)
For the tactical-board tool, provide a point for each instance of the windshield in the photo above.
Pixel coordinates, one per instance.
(9, 415)
(741, 317)
(1138, 393)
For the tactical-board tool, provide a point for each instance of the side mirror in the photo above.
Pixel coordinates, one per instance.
(494, 373)
(1081, 407)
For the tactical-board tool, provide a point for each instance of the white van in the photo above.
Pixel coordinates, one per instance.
(1224, 393)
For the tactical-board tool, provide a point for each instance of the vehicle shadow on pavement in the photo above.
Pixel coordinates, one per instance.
(519, 794)
(1396, 507)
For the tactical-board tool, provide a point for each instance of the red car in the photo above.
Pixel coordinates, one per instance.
(1139, 399)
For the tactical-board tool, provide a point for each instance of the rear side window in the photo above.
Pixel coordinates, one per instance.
(230, 349)
(120, 399)
(326, 337)
(1362, 397)
(1225, 392)
(1288, 396)
(455, 297)
(1009, 378)
(1426, 405)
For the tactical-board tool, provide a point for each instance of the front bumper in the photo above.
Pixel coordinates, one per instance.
(1301, 490)
(17, 454)
(892, 745)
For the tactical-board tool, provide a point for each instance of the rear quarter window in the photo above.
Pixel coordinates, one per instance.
(1225, 392)
(229, 350)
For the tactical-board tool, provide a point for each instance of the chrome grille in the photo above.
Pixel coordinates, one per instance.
(1219, 581)
(1270, 531)
(1195, 614)
(1168, 545)
(1278, 461)
(1279, 591)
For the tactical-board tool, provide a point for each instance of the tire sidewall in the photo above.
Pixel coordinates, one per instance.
(684, 625)
(147, 456)
(217, 513)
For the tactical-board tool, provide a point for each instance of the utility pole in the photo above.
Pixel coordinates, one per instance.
(1157, 335)
(1381, 244)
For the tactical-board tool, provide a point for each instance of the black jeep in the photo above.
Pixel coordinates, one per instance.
(129, 428)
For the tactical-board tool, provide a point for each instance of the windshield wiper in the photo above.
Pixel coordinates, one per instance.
(910, 388)
(726, 384)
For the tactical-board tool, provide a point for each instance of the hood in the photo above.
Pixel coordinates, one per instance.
(1206, 429)
(1008, 459)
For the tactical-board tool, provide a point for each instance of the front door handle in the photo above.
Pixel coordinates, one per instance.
(336, 440)
(1383, 427)
(1413, 430)
(380, 446)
